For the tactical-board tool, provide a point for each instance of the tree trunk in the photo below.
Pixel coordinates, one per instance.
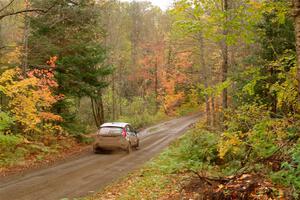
(2, 46)
(25, 43)
(213, 111)
(156, 85)
(94, 110)
(203, 65)
(135, 33)
(297, 33)
(113, 97)
(225, 56)
(169, 61)
(121, 84)
(97, 109)
(102, 119)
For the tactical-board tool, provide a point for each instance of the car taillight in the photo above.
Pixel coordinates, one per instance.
(124, 132)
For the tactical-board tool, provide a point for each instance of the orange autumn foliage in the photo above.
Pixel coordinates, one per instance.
(171, 81)
(151, 63)
(155, 74)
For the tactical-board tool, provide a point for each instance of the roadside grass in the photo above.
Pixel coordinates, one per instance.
(17, 153)
(147, 183)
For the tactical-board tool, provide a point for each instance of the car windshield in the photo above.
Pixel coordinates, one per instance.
(110, 130)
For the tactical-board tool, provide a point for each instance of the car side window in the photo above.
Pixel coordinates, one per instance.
(132, 130)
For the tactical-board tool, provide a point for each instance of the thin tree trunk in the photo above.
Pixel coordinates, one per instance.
(135, 33)
(204, 66)
(26, 35)
(120, 90)
(1, 42)
(113, 97)
(297, 33)
(156, 84)
(102, 118)
(135, 42)
(97, 109)
(224, 77)
(207, 110)
(94, 112)
(225, 57)
(169, 61)
(213, 110)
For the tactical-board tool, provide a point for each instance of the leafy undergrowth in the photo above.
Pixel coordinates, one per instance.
(18, 154)
(147, 183)
(260, 162)
(246, 186)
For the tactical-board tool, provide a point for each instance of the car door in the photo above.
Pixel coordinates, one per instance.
(129, 135)
(132, 135)
(135, 137)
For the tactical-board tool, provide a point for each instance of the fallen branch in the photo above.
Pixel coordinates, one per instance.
(211, 179)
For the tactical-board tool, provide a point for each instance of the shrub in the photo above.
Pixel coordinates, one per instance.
(245, 117)
(9, 150)
(289, 174)
(254, 139)
(9, 142)
(197, 150)
(84, 139)
(5, 121)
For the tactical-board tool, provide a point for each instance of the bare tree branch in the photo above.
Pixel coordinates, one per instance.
(38, 10)
(7, 5)
(20, 12)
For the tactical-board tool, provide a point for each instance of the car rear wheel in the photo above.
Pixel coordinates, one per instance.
(97, 150)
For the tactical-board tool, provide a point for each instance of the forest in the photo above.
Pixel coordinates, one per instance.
(67, 66)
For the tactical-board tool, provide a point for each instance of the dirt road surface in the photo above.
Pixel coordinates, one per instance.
(91, 172)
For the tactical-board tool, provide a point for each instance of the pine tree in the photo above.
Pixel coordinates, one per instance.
(70, 31)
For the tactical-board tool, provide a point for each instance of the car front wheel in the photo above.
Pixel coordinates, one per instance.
(129, 148)
(137, 145)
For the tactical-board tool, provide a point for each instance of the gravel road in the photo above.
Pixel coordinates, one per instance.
(91, 172)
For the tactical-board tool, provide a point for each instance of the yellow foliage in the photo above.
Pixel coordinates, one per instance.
(171, 101)
(11, 57)
(22, 98)
(27, 100)
(229, 142)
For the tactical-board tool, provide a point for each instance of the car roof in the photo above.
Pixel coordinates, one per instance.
(114, 124)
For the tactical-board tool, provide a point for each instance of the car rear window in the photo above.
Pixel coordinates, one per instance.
(110, 130)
